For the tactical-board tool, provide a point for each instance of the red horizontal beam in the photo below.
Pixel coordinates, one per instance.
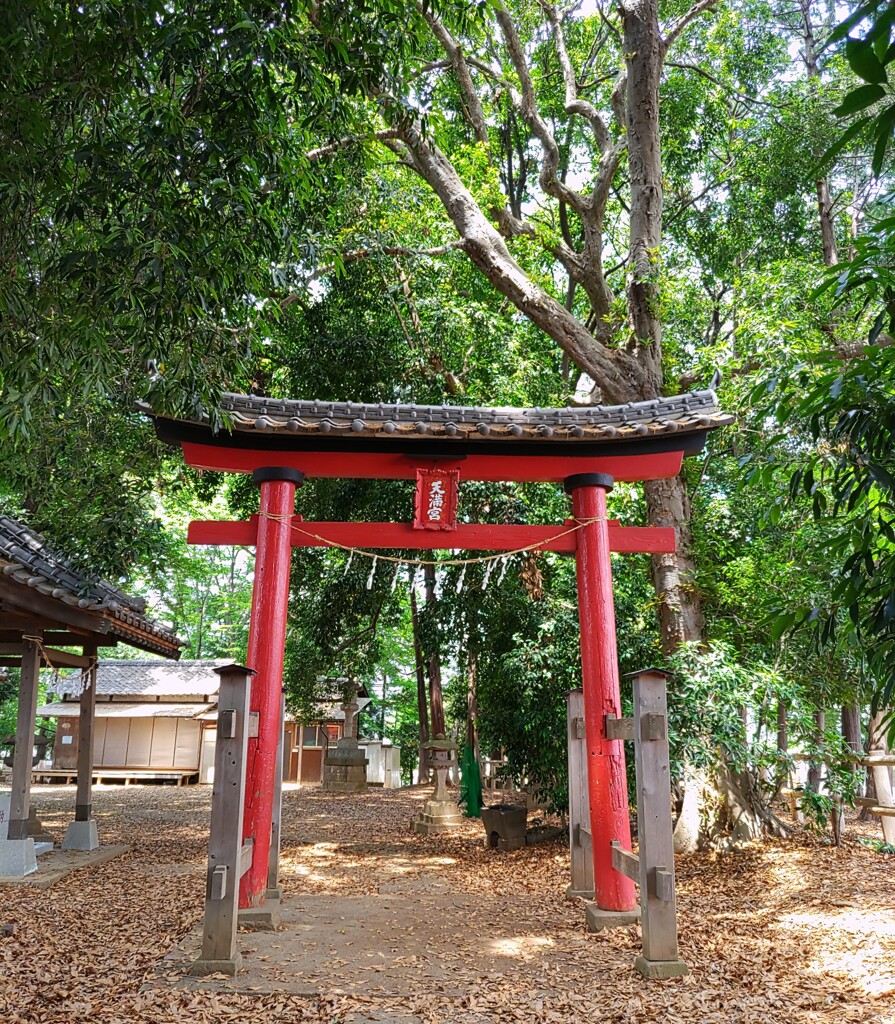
(396, 466)
(467, 536)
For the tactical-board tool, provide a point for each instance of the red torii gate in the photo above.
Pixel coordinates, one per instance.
(283, 442)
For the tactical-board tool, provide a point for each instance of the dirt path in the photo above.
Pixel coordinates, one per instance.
(385, 925)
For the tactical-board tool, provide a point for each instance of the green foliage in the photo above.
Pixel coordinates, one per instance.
(871, 56)
(706, 702)
(848, 413)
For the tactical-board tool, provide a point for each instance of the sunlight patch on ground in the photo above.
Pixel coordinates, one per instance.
(526, 947)
(865, 961)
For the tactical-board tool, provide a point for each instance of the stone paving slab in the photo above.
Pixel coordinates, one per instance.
(392, 944)
(56, 864)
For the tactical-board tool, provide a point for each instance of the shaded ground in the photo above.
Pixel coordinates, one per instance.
(395, 927)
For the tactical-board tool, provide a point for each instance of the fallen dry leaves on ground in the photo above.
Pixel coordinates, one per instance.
(790, 932)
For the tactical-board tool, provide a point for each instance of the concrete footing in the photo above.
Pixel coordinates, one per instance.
(424, 827)
(658, 969)
(584, 894)
(265, 918)
(599, 920)
(81, 835)
(17, 857)
(230, 967)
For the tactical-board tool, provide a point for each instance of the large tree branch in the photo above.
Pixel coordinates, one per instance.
(352, 140)
(471, 101)
(549, 177)
(618, 373)
(574, 103)
(678, 27)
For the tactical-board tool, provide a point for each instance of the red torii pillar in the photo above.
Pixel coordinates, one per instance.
(266, 655)
(607, 785)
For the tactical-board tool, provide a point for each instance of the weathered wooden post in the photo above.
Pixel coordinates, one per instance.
(654, 829)
(81, 833)
(272, 896)
(579, 809)
(17, 854)
(228, 857)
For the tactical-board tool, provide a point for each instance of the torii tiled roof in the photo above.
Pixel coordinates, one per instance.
(338, 424)
(27, 558)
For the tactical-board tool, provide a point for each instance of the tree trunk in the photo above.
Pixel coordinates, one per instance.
(422, 704)
(644, 50)
(472, 704)
(782, 743)
(815, 767)
(827, 227)
(436, 700)
(674, 575)
(782, 727)
(851, 733)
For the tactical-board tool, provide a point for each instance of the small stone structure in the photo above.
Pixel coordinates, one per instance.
(505, 826)
(442, 812)
(345, 765)
(21, 858)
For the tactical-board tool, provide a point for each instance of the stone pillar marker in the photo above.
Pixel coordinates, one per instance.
(442, 812)
(345, 764)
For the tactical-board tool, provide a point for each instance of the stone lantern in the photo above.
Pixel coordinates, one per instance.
(345, 764)
(441, 813)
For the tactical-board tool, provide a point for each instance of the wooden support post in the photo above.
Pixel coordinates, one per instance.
(17, 856)
(579, 808)
(20, 795)
(273, 864)
(878, 760)
(225, 845)
(654, 829)
(81, 834)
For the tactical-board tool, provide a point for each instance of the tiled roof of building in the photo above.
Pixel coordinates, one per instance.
(694, 412)
(27, 558)
(150, 678)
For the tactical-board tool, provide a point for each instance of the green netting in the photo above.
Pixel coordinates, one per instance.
(470, 784)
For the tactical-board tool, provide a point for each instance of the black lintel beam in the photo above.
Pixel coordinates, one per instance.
(55, 636)
(50, 656)
(19, 597)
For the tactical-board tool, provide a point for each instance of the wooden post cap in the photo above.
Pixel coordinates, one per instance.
(647, 672)
(235, 670)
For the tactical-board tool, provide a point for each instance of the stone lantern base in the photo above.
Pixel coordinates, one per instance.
(441, 813)
(345, 770)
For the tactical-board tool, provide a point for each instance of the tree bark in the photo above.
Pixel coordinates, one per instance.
(815, 766)
(674, 575)
(436, 699)
(644, 49)
(421, 701)
(851, 733)
(472, 704)
(827, 227)
(782, 741)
